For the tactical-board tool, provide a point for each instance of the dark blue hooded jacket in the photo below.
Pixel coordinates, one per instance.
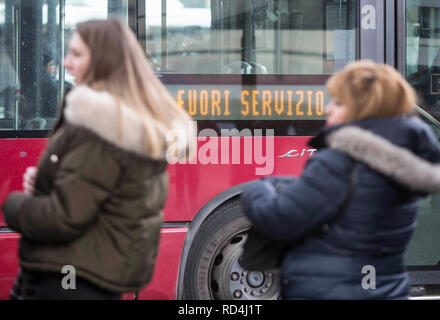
(362, 254)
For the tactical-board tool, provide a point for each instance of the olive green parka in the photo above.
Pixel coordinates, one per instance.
(98, 197)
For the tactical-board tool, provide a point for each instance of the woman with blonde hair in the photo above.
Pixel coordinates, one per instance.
(95, 202)
(347, 220)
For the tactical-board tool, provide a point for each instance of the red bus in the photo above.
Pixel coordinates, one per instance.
(252, 73)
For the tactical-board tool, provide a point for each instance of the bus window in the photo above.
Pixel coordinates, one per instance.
(250, 36)
(423, 52)
(9, 78)
(32, 49)
(423, 72)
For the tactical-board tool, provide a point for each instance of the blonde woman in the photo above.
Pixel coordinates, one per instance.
(96, 201)
(349, 217)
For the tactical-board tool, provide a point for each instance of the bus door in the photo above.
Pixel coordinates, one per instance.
(419, 60)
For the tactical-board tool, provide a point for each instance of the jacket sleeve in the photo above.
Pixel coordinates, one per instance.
(83, 182)
(296, 208)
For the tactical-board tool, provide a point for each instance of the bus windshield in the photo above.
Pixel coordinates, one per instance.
(251, 63)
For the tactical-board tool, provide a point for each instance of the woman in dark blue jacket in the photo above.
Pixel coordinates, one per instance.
(370, 129)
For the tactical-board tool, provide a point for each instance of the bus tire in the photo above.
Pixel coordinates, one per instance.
(213, 272)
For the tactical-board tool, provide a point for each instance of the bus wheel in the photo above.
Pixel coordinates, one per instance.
(213, 271)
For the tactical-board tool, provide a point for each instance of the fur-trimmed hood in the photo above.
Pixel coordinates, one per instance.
(118, 124)
(100, 113)
(394, 161)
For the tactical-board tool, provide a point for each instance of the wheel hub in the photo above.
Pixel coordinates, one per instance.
(255, 278)
(230, 281)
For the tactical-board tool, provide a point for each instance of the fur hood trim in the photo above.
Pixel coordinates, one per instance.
(99, 112)
(383, 156)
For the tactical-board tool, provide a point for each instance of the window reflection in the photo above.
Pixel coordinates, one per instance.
(423, 72)
(250, 36)
(423, 52)
(9, 80)
(31, 53)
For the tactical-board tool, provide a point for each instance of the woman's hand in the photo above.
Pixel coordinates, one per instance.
(29, 180)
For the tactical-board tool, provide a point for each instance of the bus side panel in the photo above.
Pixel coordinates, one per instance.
(16, 156)
(193, 185)
(8, 263)
(163, 285)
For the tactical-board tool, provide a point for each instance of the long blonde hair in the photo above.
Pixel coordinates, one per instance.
(120, 67)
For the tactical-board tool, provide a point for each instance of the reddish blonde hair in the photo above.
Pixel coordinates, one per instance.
(370, 90)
